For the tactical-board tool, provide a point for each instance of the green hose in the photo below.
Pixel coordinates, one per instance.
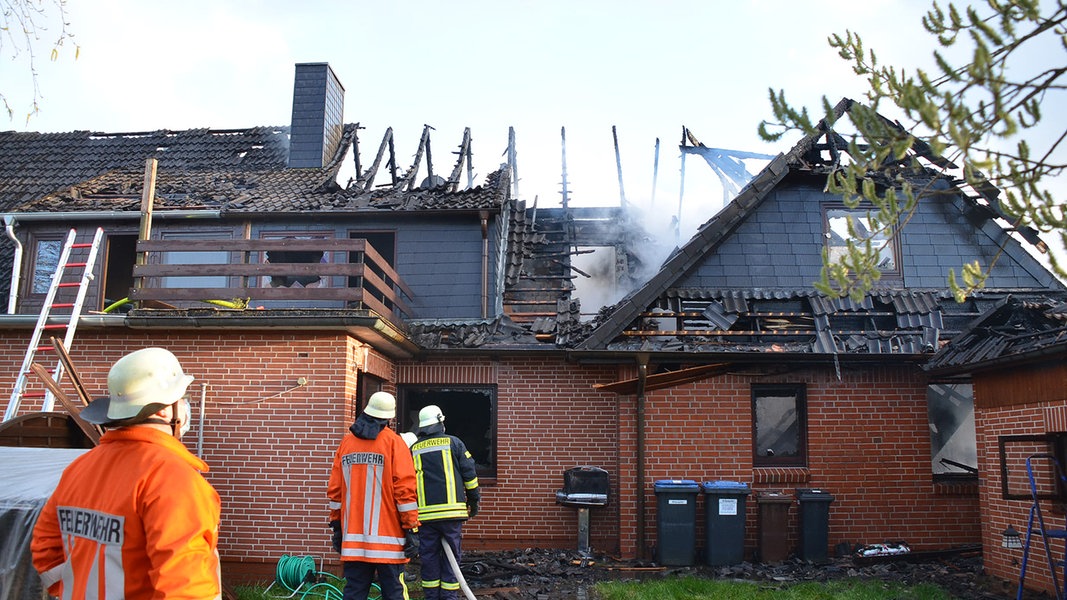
(293, 572)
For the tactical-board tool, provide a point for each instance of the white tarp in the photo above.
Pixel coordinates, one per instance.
(30, 476)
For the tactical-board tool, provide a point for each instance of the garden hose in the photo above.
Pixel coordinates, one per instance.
(293, 572)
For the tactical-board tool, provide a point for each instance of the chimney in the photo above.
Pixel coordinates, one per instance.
(318, 113)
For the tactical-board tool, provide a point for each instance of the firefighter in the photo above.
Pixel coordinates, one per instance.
(373, 509)
(448, 496)
(134, 517)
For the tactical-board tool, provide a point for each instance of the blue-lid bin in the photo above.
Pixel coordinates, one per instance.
(724, 505)
(676, 501)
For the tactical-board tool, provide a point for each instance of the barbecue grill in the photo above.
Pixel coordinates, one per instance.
(584, 488)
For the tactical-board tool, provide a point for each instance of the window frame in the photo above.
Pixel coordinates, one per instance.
(893, 239)
(36, 240)
(407, 405)
(799, 392)
(324, 281)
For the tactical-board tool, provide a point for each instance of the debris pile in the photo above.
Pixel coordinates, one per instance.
(537, 574)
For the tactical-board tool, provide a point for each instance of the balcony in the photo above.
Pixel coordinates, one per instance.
(268, 273)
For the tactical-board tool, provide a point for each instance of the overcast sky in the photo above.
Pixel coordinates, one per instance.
(647, 68)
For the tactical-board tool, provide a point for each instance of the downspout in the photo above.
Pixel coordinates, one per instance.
(16, 266)
(484, 215)
(642, 376)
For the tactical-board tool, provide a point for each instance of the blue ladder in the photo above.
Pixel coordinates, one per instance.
(1047, 535)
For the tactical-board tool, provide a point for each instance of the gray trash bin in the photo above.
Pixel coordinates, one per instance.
(724, 504)
(814, 524)
(676, 513)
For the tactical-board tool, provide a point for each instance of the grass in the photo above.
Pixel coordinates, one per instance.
(690, 588)
(693, 588)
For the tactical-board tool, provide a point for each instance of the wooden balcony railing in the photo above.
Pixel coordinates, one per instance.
(346, 273)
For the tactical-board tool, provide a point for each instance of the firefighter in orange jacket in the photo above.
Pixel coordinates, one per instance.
(373, 505)
(134, 517)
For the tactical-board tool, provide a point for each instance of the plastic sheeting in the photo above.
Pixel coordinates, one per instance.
(30, 476)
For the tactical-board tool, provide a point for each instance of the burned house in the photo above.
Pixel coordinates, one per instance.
(292, 296)
(1014, 357)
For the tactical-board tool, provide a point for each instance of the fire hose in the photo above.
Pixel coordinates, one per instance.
(455, 569)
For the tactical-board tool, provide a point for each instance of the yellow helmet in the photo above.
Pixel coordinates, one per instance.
(139, 384)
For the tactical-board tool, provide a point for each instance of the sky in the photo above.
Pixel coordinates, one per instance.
(545, 67)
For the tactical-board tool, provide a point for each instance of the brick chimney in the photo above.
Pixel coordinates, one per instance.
(318, 113)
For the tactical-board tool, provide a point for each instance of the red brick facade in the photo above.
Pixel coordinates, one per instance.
(269, 442)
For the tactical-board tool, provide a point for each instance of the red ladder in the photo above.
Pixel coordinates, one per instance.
(66, 322)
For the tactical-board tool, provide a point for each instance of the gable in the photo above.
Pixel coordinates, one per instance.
(779, 245)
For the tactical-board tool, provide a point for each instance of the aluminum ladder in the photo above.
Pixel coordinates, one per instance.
(1036, 525)
(65, 269)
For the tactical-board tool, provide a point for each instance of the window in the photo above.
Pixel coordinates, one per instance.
(779, 422)
(470, 415)
(837, 232)
(45, 260)
(118, 268)
(215, 257)
(384, 243)
(296, 256)
(953, 444)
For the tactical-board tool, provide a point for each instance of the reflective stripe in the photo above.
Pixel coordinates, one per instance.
(409, 506)
(373, 539)
(365, 553)
(51, 576)
(334, 506)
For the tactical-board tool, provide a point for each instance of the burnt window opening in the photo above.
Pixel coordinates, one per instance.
(470, 415)
(837, 221)
(384, 243)
(295, 256)
(953, 443)
(779, 425)
(118, 268)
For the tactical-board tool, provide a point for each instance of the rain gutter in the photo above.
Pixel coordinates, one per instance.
(111, 215)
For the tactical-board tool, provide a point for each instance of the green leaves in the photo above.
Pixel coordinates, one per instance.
(983, 114)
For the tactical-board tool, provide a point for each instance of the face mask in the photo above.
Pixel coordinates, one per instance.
(187, 422)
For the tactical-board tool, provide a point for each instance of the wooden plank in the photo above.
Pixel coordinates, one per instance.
(69, 370)
(93, 432)
(250, 269)
(253, 245)
(264, 293)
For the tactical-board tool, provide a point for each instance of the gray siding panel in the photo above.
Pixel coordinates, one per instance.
(780, 245)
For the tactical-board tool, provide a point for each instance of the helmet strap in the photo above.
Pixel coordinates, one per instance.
(174, 421)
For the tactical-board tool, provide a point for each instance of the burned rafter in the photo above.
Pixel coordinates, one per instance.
(407, 182)
(464, 157)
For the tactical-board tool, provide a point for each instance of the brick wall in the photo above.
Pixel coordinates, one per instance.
(270, 446)
(998, 512)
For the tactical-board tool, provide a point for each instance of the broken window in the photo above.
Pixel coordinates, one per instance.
(779, 423)
(45, 260)
(296, 256)
(837, 222)
(953, 444)
(470, 415)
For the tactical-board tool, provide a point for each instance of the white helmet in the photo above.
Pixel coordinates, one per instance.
(430, 415)
(409, 438)
(140, 384)
(381, 405)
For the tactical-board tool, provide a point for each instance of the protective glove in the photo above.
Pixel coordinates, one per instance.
(474, 496)
(336, 526)
(411, 543)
